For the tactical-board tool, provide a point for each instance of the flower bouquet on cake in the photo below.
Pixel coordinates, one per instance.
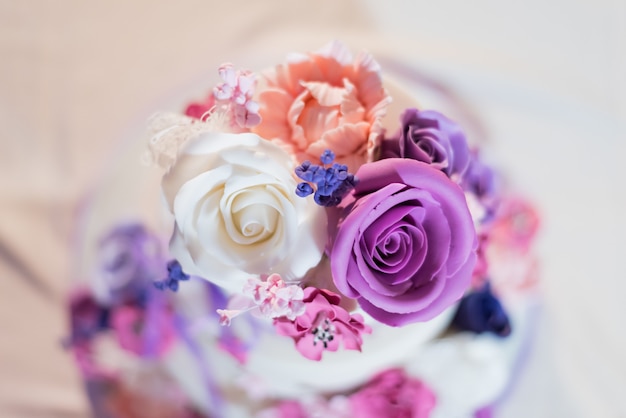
(334, 250)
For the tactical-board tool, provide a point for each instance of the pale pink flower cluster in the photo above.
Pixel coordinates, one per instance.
(236, 92)
(269, 298)
(275, 298)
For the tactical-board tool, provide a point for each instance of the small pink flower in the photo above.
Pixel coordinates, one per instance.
(270, 298)
(235, 93)
(325, 100)
(130, 328)
(479, 275)
(323, 325)
(513, 268)
(393, 394)
(516, 224)
(233, 97)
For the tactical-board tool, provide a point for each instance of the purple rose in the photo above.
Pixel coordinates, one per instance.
(432, 138)
(405, 245)
(393, 394)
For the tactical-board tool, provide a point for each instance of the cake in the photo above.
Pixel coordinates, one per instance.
(324, 246)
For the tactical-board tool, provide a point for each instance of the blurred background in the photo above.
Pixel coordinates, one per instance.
(546, 78)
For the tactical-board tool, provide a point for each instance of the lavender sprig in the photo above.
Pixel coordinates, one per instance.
(329, 184)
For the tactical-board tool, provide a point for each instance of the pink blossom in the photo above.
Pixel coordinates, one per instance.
(270, 297)
(325, 100)
(233, 97)
(479, 275)
(513, 267)
(235, 93)
(516, 224)
(393, 394)
(130, 326)
(323, 325)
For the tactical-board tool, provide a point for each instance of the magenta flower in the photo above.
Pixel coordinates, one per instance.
(393, 394)
(323, 325)
(135, 334)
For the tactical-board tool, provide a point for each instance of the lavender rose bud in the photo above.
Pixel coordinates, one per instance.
(432, 138)
(405, 245)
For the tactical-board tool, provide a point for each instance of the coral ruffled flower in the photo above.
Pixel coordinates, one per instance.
(325, 100)
(323, 325)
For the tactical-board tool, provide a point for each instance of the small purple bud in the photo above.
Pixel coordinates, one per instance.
(304, 189)
(327, 157)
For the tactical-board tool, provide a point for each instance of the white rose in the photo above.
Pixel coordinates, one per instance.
(236, 212)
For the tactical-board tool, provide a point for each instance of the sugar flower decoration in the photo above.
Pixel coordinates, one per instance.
(236, 94)
(405, 244)
(332, 182)
(393, 394)
(175, 275)
(143, 331)
(324, 325)
(270, 298)
(236, 214)
(324, 100)
(430, 137)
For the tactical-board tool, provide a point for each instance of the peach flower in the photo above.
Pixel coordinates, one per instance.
(324, 100)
